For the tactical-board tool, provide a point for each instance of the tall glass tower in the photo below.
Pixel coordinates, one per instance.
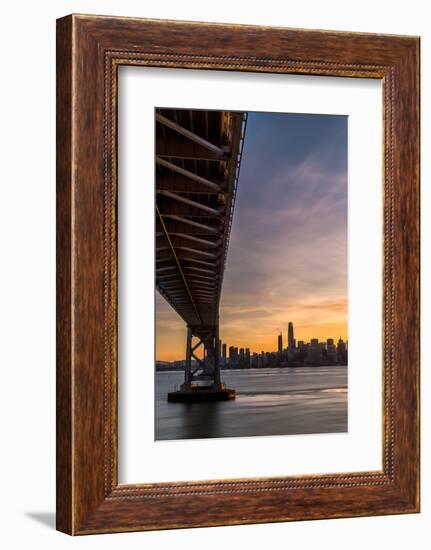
(280, 343)
(290, 336)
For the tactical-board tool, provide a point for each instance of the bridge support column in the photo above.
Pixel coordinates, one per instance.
(217, 378)
(188, 365)
(202, 377)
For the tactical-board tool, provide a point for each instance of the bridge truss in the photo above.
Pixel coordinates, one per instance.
(198, 159)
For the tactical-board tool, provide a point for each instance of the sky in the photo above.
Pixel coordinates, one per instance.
(287, 258)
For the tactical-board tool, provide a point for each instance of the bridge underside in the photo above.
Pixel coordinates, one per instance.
(198, 156)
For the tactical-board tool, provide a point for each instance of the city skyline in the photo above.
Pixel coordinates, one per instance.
(287, 337)
(296, 267)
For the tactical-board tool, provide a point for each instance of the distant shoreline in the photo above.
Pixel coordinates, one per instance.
(299, 366)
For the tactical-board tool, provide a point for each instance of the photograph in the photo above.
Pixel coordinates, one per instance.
(251, 302)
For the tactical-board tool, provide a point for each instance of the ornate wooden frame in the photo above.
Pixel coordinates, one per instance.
(89, 51)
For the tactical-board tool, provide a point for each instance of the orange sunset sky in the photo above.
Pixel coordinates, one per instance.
(287, 258)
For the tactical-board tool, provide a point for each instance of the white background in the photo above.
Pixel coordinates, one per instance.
(27, 123)
(141, 458)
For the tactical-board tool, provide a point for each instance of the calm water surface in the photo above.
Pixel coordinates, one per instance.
(306, 400)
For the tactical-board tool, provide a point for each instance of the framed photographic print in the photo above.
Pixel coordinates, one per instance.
(237, 274)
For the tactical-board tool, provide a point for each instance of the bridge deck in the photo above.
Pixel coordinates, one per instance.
(198, 156)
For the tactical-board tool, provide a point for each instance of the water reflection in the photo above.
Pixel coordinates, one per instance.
(269, 402)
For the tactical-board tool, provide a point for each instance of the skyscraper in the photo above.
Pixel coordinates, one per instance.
(342, 352)
(280, 343)
(314, 352)
(231, 355)
(290, 337)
